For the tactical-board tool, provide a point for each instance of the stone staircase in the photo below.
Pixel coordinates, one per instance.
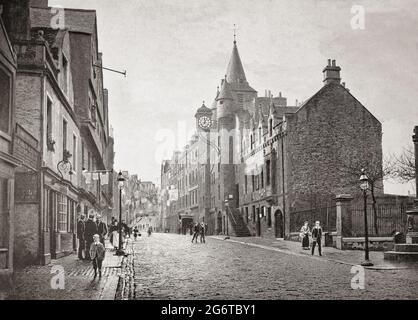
(239, 226)
(403, 252)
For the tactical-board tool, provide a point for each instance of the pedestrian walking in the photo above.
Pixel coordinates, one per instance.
(149, 231)
(101, 228)
(97, 254)
(136, 231)
(114, 230)
(202, 231)
(89, 232)
(196, 230)
(304, 234)
(317, 237)
(80, 236)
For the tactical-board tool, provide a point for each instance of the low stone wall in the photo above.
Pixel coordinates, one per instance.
(375, 243)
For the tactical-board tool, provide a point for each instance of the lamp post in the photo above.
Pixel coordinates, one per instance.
(364, 185)
(121, 181)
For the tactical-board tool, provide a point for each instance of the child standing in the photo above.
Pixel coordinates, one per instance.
(97, 254)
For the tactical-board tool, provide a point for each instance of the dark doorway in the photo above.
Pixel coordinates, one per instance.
(278, 221)
(219, 223)
(258, 223)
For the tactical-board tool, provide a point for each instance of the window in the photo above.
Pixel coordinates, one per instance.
(253, 182)
(5, 90)
(252, 141)
(231, 150)
(62, 213)
(64, 137)
(240, 100)
(271, 127)
(246, 214)
(253, 218)
(246, 184)
(65, 74)
(74, 162)
(268, 172)
(82, 156)
(269, 217)
(262, 178)
(49, 124)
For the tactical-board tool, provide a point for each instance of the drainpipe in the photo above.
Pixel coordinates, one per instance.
(283, 186)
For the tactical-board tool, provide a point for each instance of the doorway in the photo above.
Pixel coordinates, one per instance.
(278, 221)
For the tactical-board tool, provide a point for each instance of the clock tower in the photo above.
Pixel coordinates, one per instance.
(204, 126)
(204, 118)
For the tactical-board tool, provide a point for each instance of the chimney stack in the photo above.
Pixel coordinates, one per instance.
(332, 73)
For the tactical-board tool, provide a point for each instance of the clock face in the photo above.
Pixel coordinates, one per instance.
(205, 122)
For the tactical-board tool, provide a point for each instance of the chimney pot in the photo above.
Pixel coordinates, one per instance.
(333, 63)
(329, 62)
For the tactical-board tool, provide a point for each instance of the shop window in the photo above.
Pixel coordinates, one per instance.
(62, 213)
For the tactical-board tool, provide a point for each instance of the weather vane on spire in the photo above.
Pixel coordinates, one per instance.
(235, 34)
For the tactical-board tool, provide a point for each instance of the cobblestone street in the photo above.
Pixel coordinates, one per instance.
(167, 266)
(34, 282)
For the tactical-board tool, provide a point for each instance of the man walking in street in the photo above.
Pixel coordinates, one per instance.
(317, 237)
(90, 231)
(101, 228)
(196, 230)
(202, 231)
(80, 236)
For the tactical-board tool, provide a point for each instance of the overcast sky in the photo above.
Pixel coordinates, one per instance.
(175, 53)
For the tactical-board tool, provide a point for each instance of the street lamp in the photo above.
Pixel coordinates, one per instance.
(121, 181)
(364, 185)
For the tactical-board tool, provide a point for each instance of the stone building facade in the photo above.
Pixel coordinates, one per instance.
(55, 141)
(8, 162)
(268, 159)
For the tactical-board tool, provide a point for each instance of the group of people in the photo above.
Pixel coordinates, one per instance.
(199, 229)
(91, 235)
(315, 233)
(91, 240)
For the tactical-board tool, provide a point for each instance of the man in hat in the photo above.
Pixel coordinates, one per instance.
(101, 228)
(90, 231)
(80, 236)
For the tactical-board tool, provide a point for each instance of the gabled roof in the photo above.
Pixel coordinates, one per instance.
(327, 87)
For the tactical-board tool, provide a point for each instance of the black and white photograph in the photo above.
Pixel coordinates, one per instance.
(224, 151)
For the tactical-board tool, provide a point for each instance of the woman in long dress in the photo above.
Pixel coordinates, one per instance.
(304, 233)
(115, 235)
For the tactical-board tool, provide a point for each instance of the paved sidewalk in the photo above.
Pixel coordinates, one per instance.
(349, 257)
(35, 282)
